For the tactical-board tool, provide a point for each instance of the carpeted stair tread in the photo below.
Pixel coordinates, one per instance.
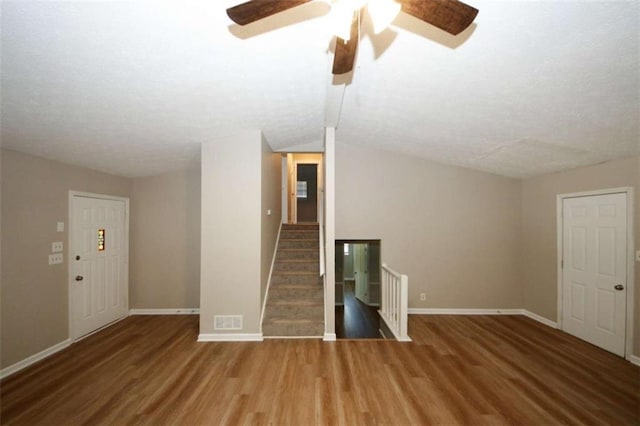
(294, 312)
(298, 261)
(295, 301)
(287, 285)
(304, 273)
(300, 227)
(287, 329)
(285, 320)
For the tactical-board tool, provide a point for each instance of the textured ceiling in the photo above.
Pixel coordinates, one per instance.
(133, 88)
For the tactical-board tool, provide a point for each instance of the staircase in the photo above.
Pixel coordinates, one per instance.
(295, 302)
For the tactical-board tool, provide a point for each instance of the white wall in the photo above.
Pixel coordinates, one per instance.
(539, 276)
(455, 232)
(34, 313)
(165, 241)
(330, 178)
(240, 181)
(271, 200)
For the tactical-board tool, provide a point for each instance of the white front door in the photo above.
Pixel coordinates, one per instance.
(594, 274)
(98, 263)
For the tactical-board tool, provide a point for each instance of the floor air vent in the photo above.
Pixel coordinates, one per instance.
(228, 322)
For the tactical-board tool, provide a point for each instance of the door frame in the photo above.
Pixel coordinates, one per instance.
(71, 249)
(319, 183)
(630, 284)
(284, 190)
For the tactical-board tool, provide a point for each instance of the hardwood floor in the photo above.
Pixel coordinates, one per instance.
(458, 370)
(356, 320)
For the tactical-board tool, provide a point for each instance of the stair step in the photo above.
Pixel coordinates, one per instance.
(305, 279)
(312, 310)
(298, 244)
(302, 254)
(299, 233)
(301, 226)
(294, 273)
(296, 292)
(296, 265)
(288, 328)
(295, 303)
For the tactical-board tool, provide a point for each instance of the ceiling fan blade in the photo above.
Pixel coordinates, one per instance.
(451, 16)
(252, 11)
(346, 51)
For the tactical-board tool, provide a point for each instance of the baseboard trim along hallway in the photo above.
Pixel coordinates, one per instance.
(165, 311)
(511, 311)
(5, 372)
(237, 337)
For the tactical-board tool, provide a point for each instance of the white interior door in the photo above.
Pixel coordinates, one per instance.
(594, 275)
(99, 277)
(360, 271)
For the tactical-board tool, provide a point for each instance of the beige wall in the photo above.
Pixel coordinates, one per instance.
(34, 298)
(231, 278)
(539, 277)
(165, 241)
(271, 200)
(455, 232)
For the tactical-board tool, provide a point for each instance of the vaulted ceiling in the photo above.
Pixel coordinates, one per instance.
(133, 88)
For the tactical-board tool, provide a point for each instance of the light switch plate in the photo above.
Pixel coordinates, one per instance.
(60, 227)
(56, 258)
(57, 247)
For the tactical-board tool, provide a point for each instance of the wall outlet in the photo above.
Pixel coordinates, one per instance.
(423, 296)
(57, 247)
(56, 258)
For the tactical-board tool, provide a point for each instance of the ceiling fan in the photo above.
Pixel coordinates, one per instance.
(451, 16)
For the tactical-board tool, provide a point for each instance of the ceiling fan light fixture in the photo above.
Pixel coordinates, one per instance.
(342, 15)
(383, 12)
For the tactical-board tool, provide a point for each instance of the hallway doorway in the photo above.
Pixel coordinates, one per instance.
(302, 187)
(357, 289)
(307, 193)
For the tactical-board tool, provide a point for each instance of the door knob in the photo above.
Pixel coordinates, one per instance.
(79, 277)
(619, 287)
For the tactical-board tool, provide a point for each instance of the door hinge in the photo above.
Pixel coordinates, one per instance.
(562, 264)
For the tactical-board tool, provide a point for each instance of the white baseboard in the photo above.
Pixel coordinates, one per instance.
(446, 311)
(290, 337)
(238, 337)
(539, 318)
(526, 313)
(170, 311)
(634, 360)
(329, 337)
(5, 372)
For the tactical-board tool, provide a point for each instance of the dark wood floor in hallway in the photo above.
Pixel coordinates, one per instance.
(354, 319)
(503, 370)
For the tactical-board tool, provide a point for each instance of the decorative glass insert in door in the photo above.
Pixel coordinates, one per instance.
(101, 239)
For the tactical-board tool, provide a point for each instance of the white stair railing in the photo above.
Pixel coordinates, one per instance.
(394, 309)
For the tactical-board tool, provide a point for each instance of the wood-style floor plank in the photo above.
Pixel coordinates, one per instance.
(479, 370)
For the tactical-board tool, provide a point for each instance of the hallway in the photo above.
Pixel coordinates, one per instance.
(356, 320)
